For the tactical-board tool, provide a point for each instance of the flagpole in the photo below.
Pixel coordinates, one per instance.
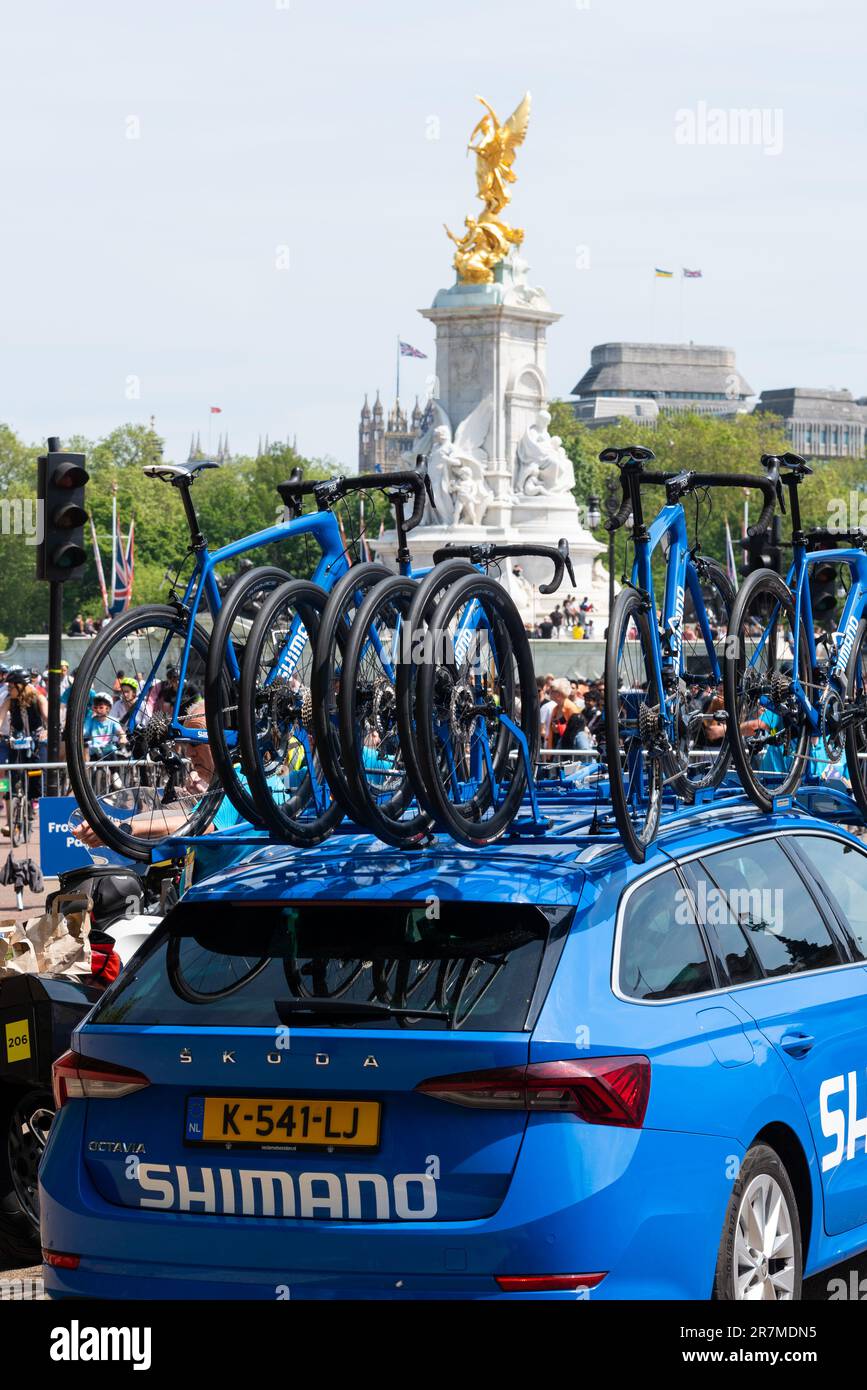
(113, 539)
(682, 279)
(397, 397)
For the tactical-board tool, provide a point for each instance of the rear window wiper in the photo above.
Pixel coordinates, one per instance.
(336, 1008)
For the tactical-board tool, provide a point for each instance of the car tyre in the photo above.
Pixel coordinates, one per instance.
(19, 1230)
(760, 1255)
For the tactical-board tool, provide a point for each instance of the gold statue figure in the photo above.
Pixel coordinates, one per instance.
(487, 239)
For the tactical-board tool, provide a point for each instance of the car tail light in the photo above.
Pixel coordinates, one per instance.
(601, 1090)
(74, 1077)
(548, 1283)
(59, 1261)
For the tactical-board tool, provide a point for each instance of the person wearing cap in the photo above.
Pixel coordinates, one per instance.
(27, 709)
(125, 702)
(101, 732)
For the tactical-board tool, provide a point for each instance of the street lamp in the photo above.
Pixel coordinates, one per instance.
(594, 511)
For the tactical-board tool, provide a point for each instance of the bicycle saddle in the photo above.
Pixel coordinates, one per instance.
(637, 452)
(176, 472)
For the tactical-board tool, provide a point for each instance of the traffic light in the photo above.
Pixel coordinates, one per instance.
(60, 554)
(823, 589)
(764, 552)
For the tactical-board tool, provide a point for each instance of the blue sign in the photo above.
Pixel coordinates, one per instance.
(59, 849)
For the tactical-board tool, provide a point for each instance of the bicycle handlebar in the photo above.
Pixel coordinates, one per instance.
(480, 554)
(327, 491)
(689, 481)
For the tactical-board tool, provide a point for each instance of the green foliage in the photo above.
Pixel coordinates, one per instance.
(233, 501)
(241, 498)
(705, 444)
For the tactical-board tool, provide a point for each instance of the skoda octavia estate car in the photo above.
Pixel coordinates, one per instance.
(536, 1069)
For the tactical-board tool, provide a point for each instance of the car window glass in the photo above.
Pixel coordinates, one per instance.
(844, 869)
(712, 909)
(662, 954)
(764, 893)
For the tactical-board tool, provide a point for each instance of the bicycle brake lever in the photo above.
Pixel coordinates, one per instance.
(781, 498)
(563, 547)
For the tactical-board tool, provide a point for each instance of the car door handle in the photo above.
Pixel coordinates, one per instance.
(797, 1044)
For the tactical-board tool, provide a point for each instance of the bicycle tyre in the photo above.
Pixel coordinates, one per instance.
(286, 818)
(510, 644)
(219, 681)
(856, 734)
(383, 817)
(637, 831)
(430, 590)
(775, 591)
(110, 832)
(349, 592)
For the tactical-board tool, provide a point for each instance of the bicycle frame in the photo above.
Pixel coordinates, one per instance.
(680, 575)
(797, 581)
(202, 587)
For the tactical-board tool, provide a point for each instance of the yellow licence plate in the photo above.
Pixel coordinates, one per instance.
(288, 1120)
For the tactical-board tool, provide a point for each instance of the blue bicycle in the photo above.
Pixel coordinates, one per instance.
(174, 784)
(665, 723)
(796, 695)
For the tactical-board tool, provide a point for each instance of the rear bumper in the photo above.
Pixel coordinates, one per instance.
(646, 1206)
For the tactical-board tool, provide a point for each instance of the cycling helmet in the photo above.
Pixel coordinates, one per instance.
(16, 675)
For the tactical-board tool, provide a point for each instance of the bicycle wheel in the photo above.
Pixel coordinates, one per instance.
(222, 687)
(344, 601)
(476, 708)
(856, 728)
(172, 787)
(372, 753)
(278, 747)
(429, 591)
(768, 728)
(634, 732)
(703, 744)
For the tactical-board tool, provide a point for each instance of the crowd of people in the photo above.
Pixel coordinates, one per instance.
(570, 621)
(571, 713)
(87, 627)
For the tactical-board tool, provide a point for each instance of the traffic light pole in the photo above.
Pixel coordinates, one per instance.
(55, 640)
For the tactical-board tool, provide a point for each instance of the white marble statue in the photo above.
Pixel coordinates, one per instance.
(544, 467)
(457, 465)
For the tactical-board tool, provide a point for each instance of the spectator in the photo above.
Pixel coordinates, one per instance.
(165, 693)
(546, 708)
(560, 692)
(557, 622)
(576, 736)
(89, 627)
(28, 725)
(76, 627)
(123, 705)
(546, 629)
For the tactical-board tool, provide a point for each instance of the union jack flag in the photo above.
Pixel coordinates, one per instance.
(407, 350)
(122, 571)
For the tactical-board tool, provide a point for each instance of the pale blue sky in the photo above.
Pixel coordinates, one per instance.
(305, 125)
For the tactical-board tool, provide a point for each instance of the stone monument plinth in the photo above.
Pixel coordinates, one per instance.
(497, 472)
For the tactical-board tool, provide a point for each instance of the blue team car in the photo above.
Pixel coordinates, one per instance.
(532, 1070)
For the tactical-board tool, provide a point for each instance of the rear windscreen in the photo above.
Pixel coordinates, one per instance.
(475, 966)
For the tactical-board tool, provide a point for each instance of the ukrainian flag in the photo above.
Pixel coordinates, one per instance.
(663, 274)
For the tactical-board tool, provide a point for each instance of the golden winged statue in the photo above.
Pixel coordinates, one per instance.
(487, 239)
